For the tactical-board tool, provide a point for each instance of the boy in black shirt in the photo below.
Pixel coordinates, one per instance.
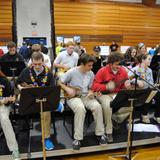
(12, 54)
(38, 75)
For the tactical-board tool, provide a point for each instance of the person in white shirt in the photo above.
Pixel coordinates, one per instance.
(47, 61)
(66, 59)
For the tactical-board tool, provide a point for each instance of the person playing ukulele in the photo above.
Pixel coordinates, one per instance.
(109, 80)
(82, 77)
(6, 98)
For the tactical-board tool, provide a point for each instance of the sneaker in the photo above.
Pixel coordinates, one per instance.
(60, 107)
(109, 138)
(145, 119)
(48, 144)
(16, 155)
(102, 139)
(76, 144)
(157, 119)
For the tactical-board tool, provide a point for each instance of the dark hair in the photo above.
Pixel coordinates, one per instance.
(96, 48)
(128, 55)
(86, 58)
(142, 57)
(37, 56)
(157, 50)
(11, 44)
(115, 57)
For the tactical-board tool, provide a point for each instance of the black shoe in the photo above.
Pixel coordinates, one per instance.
(109, 138)
(76, 144)
(102, 140)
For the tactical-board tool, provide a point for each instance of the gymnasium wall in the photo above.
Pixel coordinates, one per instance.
(96, 23)
(99, 23)
(5, 21)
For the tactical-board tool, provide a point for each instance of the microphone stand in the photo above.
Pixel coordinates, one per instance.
(129, 147)
(128, 154)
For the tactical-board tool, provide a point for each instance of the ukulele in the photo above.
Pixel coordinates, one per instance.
(10, 99)
(70, 91)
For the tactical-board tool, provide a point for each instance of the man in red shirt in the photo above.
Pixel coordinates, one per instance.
(109, 80)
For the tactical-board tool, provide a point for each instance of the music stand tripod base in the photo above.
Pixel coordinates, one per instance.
(127, 155)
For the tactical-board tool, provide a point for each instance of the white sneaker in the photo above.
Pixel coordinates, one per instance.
(157, 119)
(145, 119)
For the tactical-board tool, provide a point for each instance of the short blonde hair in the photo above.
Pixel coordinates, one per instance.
(36, 47)
(70, 43)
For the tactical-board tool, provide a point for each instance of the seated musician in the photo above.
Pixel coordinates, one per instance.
(109, 80)
(6, 98)
(35, 76)
(66, 59)
(12, 54)
(144, 72)
(130, 59)
(82, 77)
(37, 48)
(155, 65)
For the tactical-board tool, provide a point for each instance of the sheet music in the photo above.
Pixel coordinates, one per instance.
(140, 127)
(104, 50)
(124, 49)
(151, 95)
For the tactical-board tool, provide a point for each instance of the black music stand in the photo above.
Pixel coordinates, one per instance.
(38, 100)
(123, 99)
(12, 68)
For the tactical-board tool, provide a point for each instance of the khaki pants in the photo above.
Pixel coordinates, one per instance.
(7, 128)
(119, 116)
(107, 111)
(78, 106)
(47, 124)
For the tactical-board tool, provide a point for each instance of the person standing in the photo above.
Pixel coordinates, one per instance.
(113, 47)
